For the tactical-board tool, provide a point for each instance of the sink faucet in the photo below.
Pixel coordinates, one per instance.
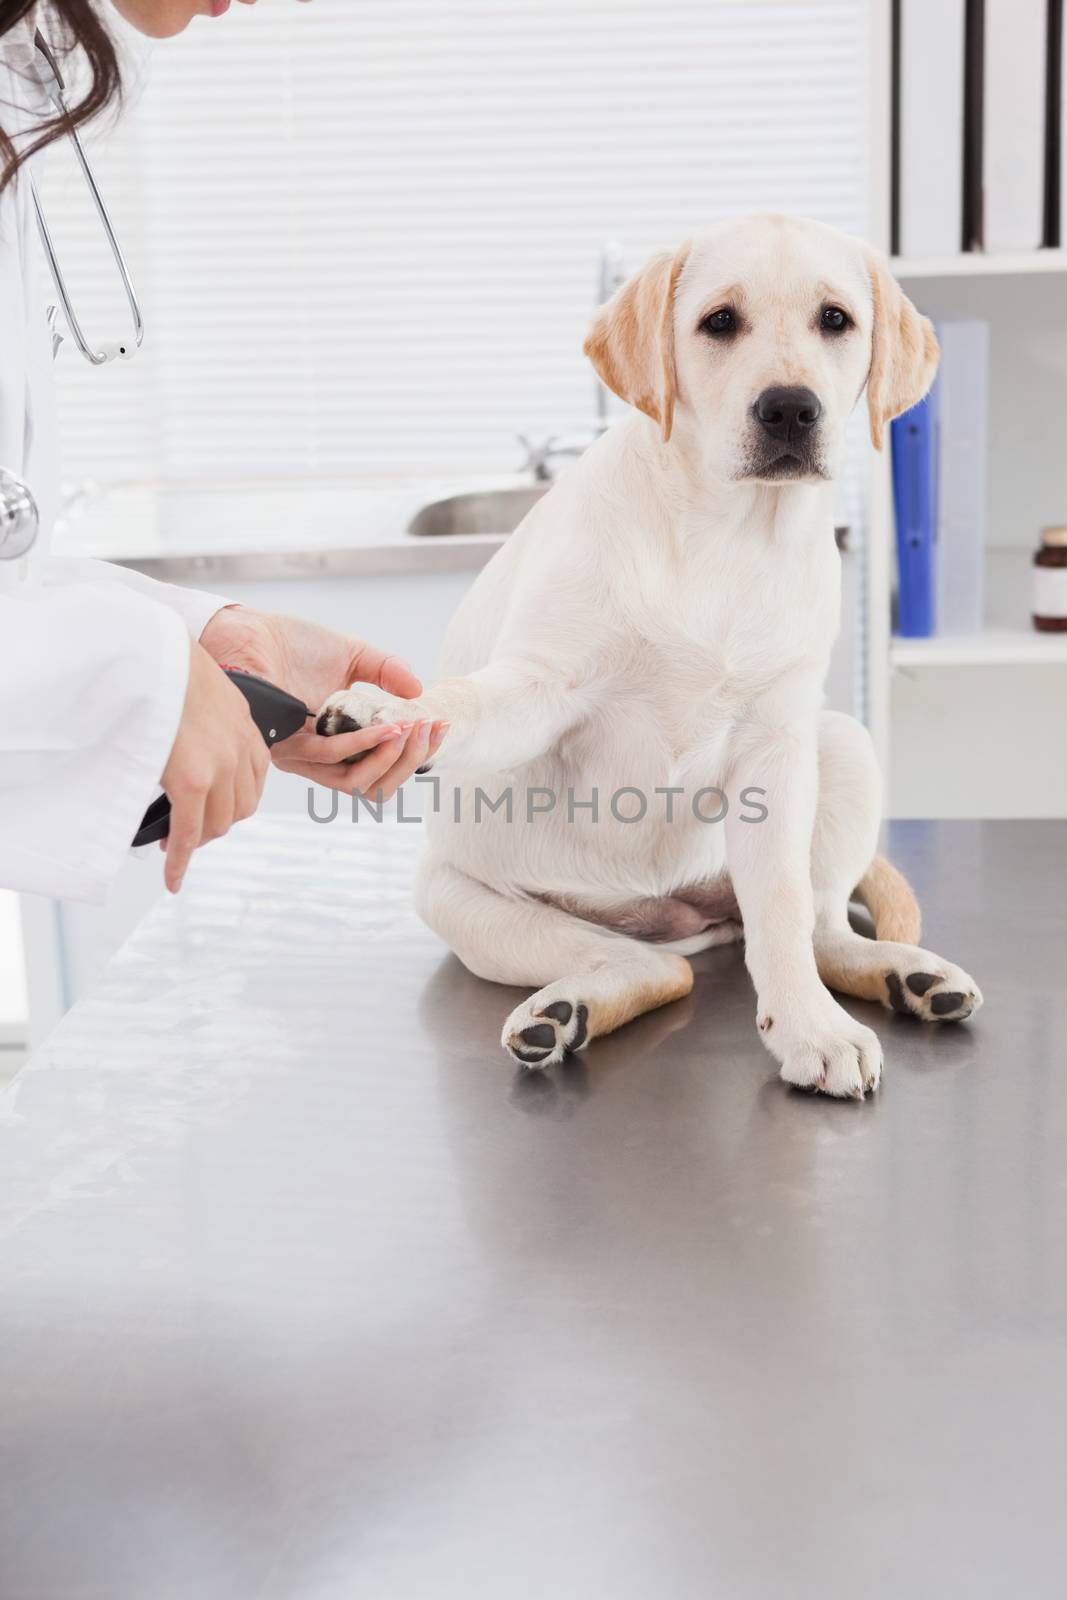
(540, 457)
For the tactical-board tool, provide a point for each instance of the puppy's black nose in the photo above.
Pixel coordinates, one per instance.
(787, 414)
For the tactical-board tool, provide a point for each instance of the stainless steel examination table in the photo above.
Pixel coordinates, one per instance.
(307, 1295)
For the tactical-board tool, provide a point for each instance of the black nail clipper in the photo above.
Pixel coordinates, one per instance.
(276, 714)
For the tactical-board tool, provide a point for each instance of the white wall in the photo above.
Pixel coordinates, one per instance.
(367, 233)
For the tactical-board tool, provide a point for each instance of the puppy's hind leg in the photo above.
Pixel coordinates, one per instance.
(891, 968)
(587, 981)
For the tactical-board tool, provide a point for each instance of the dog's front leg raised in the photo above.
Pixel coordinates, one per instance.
(505, 714)
(816, 1042)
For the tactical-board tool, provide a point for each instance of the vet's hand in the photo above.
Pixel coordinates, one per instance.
(312, 663)
(357, 712)
(217, 765)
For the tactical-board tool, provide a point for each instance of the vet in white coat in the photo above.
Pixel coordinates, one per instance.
(94, 660)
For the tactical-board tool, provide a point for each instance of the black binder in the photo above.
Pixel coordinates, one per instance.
(973, 113)
(1052, 230)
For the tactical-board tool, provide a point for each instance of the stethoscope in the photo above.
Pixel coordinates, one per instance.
(19, 518)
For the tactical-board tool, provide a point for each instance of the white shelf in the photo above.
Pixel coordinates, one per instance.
(1007, 640)
(994, 648)
(977, 265)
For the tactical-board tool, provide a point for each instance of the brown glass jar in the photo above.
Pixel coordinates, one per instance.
(1050, 582)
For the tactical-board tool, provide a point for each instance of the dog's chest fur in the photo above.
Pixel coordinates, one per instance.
(704, 633)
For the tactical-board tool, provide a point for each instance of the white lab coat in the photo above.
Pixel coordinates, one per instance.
(94, 660)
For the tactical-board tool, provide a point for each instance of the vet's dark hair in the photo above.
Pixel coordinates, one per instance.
(70, 26)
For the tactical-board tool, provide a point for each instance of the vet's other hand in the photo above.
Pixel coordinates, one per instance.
(312, 662)
(217, 765)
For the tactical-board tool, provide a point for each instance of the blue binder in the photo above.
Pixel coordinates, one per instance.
(914, 446)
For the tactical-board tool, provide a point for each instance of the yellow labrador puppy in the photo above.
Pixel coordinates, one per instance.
(638, 764)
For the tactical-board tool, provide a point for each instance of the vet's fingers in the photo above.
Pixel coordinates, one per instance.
(353, 779)
(346, 780)
(369, 774)
(396, 677)
(380, 773)
(315, 772)
(388, 672)
(416, 754)
(327, 750)
(186, 831)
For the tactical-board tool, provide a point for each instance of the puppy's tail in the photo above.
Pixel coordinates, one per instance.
(890, 899)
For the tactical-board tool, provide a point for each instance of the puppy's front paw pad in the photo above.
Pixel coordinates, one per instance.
(350, 709)
(333, 720)
(936, 991)
(845, 1064)
(541, 1035)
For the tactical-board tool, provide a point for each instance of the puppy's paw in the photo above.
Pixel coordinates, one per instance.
(830, 1052)
(361, 707)
(352, 709)
(924, 986)
(545, 1028)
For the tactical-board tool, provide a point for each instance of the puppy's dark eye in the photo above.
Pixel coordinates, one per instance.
(834, 320)
(718, 323)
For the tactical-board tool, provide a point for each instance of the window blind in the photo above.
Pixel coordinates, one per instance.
(366, 234)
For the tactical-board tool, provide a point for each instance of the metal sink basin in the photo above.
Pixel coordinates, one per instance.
(484, 511)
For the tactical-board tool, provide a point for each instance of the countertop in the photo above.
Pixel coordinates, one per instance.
(308, 1295)
(203, 533)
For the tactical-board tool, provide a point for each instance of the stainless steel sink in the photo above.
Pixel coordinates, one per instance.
(486, 511)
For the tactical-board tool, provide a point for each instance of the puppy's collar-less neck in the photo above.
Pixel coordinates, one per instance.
(769, 511)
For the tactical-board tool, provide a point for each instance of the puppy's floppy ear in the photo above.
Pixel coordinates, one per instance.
(904, 350)
(631, 341)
